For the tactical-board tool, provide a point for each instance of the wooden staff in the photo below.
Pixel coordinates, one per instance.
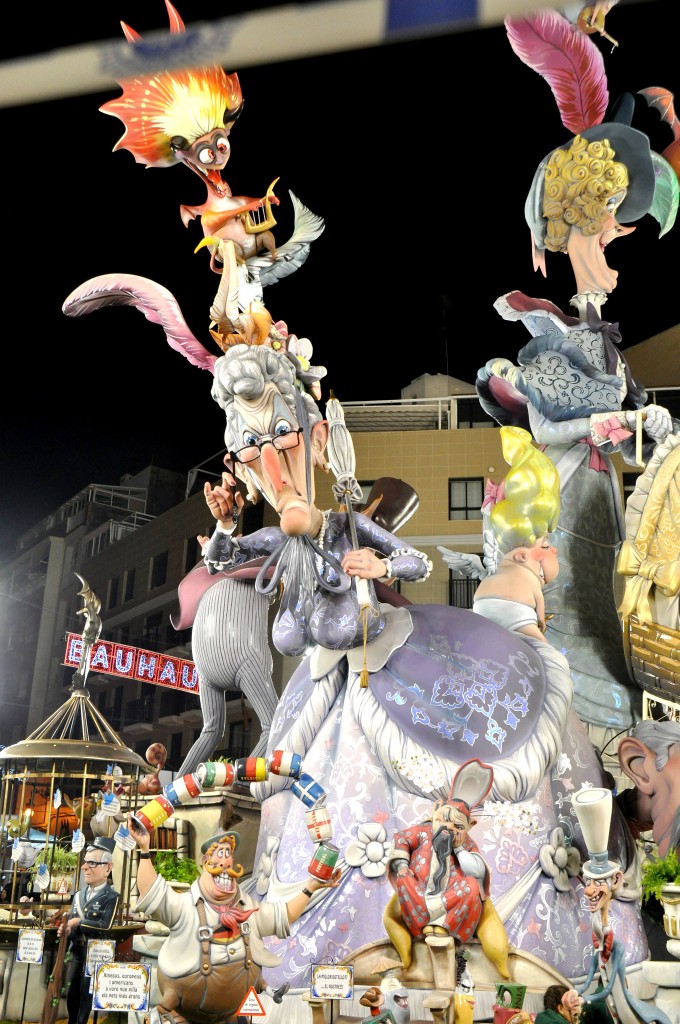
(50, 1010)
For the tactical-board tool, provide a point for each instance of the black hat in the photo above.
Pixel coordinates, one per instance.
(104, 843)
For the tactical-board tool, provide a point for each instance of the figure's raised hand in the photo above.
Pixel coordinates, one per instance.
(139, 834)
(365, 564)
(314, 883)
(222, 499)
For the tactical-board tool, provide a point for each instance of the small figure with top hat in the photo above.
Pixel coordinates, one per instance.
(603, 879)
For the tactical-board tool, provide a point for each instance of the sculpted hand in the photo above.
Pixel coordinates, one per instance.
(658, 423)
(364, 564)
(314, 883)
(140, 835)
(220, 500)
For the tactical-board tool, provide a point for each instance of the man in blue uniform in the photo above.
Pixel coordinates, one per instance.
(94, 908)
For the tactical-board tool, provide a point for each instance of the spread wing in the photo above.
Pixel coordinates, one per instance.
(292, 254)
(468, 565)
(153, 300)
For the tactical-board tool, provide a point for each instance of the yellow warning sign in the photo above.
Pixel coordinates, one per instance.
(251, 1005)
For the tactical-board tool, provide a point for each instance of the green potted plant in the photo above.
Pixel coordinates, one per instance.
(661, 880)
(61, 864)
(179, 871)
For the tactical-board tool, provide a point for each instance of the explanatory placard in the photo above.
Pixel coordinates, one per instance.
(120, 986)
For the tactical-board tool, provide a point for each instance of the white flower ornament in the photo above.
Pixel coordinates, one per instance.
(559, 861)
(369, 850)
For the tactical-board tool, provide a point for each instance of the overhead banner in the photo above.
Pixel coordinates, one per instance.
(134, 663)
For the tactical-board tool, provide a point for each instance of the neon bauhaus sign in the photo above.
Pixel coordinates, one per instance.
(134, 663)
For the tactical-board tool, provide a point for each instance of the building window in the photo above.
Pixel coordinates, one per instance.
(471, 416)
(171, 703)
(461, 589)
(175, 757)
(117, 708)
(193, 554)
(237, 744)
(159, 569)
(113, 591)
(129, 585)
(465, 498)
(152, 628)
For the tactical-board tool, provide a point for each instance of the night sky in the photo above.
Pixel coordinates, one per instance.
(418, 155)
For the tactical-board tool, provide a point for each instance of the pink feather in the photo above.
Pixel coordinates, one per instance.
(153, 300)
(568, 60)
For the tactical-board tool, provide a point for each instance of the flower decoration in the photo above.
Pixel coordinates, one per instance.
(369, 849)
(520, 816)
(423, 771)
(559, 861)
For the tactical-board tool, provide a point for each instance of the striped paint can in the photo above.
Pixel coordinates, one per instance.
(308, 790)
(153, 814)
(182, 791)
(324, 860)
(251, 769)
(284, 762)
(215, 774)
(319, 824)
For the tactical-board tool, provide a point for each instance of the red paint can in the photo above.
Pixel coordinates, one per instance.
(324, 860)
(283, 762)
(154, 813)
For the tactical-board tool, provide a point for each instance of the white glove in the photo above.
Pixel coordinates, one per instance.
(657, 423)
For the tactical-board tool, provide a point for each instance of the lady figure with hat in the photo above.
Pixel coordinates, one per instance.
(94, 908)
(215, 950)
(603, 880)
(572, 386)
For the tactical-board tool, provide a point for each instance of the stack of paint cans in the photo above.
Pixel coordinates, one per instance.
(318, 821)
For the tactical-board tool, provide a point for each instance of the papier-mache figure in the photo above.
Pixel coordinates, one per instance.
(512, 595)
(215, 951)
(441, 880)
(184, 117)
(603, 879)
(571, 385)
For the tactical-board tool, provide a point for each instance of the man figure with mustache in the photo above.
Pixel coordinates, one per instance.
(439, 875)
(214, 952)
(440, 879)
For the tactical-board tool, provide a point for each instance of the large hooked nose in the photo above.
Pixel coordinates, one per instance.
(271, 465)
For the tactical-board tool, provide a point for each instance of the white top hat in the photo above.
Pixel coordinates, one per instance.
(593, 807)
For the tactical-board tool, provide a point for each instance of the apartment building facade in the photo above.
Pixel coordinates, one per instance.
(446, 448)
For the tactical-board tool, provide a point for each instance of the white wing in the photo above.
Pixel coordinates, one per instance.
(467, 564)
(290, 256)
